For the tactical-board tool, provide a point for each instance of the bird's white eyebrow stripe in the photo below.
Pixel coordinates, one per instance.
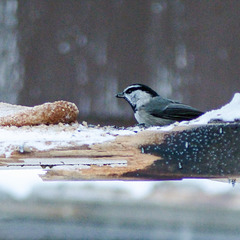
(134, 87)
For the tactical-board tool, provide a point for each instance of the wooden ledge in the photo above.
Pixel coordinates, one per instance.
(76, 152)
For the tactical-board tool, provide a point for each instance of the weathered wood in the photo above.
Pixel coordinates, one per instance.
(208, 151)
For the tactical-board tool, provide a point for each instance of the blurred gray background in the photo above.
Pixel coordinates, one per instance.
(86, 51)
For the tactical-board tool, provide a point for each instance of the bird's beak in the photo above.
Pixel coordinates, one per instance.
(120, 95)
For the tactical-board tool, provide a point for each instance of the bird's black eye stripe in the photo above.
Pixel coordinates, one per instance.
(130, 90)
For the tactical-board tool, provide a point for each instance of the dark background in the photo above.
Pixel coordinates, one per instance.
(87, 51)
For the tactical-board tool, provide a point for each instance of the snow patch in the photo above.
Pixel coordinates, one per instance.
(23, 139)
(228, 113)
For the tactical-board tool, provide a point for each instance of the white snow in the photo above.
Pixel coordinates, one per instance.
(48, 137)
(228, 113)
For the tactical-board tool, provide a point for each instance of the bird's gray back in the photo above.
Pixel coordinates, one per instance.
(161, 111)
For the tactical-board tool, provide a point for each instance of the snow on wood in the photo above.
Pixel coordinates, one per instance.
(208, 148)
(76, 152)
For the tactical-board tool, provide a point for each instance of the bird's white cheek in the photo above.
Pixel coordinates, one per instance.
(131, 99)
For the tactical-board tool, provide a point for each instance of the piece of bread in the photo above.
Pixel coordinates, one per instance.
(47, 113)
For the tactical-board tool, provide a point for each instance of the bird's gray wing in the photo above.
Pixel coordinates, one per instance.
(168, 109)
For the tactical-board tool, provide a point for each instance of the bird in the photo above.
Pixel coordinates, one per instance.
(150, 109)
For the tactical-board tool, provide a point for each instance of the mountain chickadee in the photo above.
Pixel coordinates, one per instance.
(150, 109)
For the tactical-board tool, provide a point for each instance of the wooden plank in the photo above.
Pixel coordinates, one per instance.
(208, 151)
